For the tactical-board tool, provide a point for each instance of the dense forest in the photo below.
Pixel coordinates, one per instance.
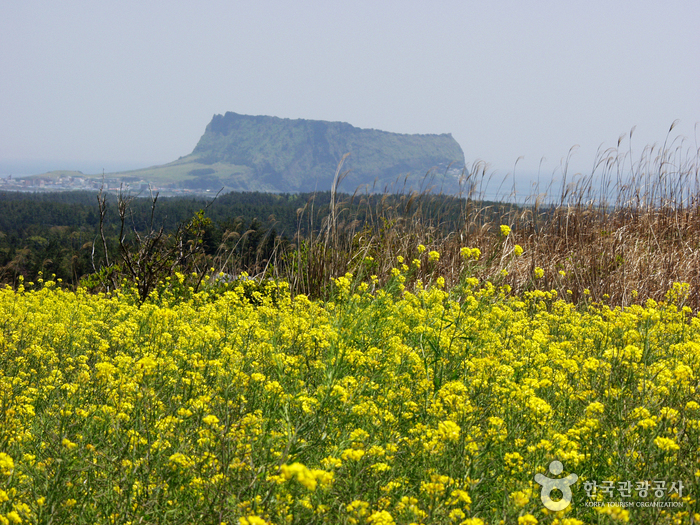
(59, 233)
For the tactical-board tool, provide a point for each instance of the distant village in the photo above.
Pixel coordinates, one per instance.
(52, 183)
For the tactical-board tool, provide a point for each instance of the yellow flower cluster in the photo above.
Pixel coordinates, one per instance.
(430, 405)
(307, 477)
(470, 253)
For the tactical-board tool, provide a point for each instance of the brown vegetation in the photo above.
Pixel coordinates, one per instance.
(621, 235)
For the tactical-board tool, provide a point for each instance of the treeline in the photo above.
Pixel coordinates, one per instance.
(61, 233)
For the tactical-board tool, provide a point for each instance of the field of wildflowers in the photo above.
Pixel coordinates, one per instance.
(395, 403)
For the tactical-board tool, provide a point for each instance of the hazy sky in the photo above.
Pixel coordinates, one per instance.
(91, 85)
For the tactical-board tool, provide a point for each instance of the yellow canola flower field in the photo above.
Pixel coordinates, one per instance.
(382, 406)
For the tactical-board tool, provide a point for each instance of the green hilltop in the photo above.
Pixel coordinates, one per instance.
(262, 153)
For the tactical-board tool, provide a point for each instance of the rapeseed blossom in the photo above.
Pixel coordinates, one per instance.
(307, 477)
(431, 404)
(527, 519)
(210, 419)
(381, 517)
(666, 444)
(520, 498)
(252, 520)
(7, 465)
(470, 253)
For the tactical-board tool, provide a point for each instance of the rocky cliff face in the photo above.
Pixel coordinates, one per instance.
(274, 154)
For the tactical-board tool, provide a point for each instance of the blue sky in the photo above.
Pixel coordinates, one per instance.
(115, 85)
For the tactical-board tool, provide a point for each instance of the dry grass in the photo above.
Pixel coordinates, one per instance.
(621, 235)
